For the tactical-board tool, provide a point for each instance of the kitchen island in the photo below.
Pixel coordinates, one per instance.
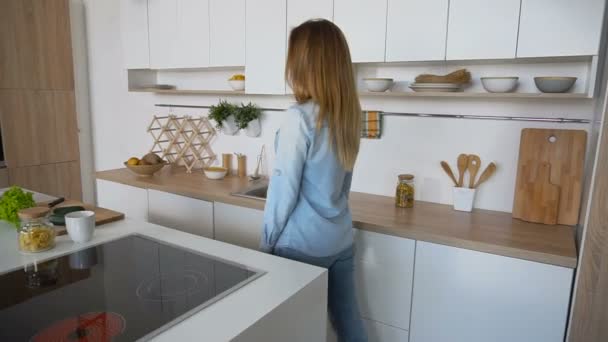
(282, 301)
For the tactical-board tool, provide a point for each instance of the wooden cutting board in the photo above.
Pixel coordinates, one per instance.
(564, 150)
(541, 202)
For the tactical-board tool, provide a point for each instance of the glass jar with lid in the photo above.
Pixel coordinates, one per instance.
(36, 232)
(404, 196)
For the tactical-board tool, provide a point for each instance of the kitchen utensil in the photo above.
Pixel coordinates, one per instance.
(446, 167)
(565, 151)
(58, 216)
(499, 84)
(473, 167)
(463, 199)
(237, 85)
(56, 202)
(378, 84)
(145, 170)
(554, 84)
(80, 225)
(542, 204)
(256, 174)
(463, 163)
(215, 172)
(486, 174)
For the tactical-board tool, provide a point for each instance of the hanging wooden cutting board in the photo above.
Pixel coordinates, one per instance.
(541, 202)
(564, 150)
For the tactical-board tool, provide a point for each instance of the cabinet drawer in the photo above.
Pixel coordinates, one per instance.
(129, 200)
(187, 214)
(378, 332)
(383, 249)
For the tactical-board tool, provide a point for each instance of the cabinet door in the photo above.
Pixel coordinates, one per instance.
(464, 295)
(237, 225)
(182, 213)
(416, 30)
(378, 332)
(192, 34)
(134, 29)
(480, 29)
(227, 32)
(560, 28)
(364, 24)
(129, 200)
(384, 272)
(299, 11)
(59, 180)
(265, 46)
(163, 30)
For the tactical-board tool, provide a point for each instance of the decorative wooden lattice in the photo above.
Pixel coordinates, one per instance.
(183, 140)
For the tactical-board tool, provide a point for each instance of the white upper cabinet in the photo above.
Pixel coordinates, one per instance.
(134, 28)
(227, 33)
(560, 28)
(179, 33)
(416, 30)
(299, 11)
(481, 29)
(265, 46)
(364, 24)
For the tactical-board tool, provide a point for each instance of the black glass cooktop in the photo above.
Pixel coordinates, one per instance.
(129, 289)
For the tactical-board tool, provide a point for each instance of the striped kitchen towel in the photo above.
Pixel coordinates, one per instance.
(371, 124)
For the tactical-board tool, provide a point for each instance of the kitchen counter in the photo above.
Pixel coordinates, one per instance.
(258, 309)
(482, 230)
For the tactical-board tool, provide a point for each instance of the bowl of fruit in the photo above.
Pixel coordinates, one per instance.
(146, 166)
(237, 82)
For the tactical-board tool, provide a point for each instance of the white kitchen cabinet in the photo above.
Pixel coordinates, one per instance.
(416, 30)
(238, 225)
(134, 31)
(464, 295)
(299, 11)
(227, 33)
(560, 28)
(182, 213)
(480, 29)
(364, 25)
(384, 271)
(265, 46)
(129, 200)
(378, 332)
(179, 33)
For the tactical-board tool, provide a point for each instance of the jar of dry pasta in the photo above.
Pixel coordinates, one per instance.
(404, 196)
(36, 233)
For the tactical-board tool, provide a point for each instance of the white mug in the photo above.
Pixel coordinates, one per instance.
(80, 225)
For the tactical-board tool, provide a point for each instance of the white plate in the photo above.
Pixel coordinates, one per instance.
(435, 85)
(434, 90)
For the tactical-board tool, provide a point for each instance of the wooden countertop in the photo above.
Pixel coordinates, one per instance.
(482, 230)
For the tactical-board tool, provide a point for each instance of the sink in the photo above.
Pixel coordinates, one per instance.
(256, 191)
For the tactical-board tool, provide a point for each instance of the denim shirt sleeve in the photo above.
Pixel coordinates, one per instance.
(285, 181)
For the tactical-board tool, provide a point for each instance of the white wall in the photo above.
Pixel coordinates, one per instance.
(409, 145)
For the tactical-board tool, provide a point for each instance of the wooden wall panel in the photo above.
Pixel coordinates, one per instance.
(61, 179)
(17, 119)
(9, 65)
(590, 311)
(3, 178)
(68, 180)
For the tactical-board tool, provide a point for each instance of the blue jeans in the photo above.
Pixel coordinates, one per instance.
(343, 307)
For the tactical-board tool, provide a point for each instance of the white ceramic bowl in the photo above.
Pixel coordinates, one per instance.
(499, 84)
(554, 84)
(215, 172)
(237, 85)
(378, 84)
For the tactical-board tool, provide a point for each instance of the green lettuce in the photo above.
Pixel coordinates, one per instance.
(13, 200)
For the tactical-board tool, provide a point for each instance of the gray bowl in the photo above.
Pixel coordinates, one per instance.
(554, 84)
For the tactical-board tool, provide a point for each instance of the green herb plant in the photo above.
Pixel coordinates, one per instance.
(247, 113)
(221, 112)
(13, 200)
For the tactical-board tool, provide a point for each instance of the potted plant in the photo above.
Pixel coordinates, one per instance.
(224, 116)
(248, 118)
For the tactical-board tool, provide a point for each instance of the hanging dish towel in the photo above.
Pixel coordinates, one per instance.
(371, 125)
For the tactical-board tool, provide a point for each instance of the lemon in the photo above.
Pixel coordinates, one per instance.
(133, 161)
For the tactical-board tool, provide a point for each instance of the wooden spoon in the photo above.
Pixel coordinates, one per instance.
(486, 174)
(463, 163)
(446, 167)
(473, 167)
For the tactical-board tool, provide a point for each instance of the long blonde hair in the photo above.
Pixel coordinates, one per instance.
(319, 68)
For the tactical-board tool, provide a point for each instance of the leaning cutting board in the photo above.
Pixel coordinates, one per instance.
(564, 150)
(541, 202)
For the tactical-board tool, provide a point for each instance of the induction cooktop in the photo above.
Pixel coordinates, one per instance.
(124, 290)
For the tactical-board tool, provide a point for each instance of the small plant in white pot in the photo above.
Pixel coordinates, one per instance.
(224, 114)
(248, 118)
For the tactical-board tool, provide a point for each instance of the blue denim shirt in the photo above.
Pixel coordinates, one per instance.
(307, 206)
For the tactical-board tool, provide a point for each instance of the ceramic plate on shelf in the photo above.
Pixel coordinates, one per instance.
(435, 87)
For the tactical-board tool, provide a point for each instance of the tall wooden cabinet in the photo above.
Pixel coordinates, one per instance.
(37, 100)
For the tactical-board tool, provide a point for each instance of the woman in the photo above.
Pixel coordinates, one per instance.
(307, 217)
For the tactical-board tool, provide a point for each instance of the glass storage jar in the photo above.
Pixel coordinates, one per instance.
(404, 196)
(36, 233)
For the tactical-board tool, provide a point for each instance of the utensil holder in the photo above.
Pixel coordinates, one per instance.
(227, 162)
(464, 199)
(242, 166)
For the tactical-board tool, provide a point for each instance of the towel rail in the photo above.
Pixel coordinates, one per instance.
(440, 116)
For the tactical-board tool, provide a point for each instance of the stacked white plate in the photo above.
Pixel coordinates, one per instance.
(435, 87)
